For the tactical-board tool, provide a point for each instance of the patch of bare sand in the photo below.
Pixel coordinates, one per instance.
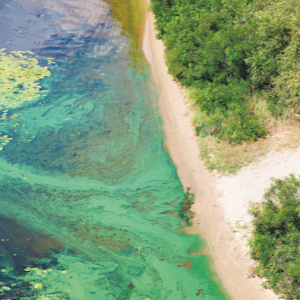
(250, 184)
(231, 262)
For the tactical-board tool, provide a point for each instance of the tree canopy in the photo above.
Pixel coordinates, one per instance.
(224, 51)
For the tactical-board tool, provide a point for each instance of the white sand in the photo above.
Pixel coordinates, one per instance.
(250, 184)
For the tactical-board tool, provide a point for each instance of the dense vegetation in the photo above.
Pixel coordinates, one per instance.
(276, 237)
(229, 51)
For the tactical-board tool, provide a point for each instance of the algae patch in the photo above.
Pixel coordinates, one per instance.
(19, 78)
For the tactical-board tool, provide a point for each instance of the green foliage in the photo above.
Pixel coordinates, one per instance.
(185, 212)
(276, 237)
(226, 49)
(287, 84)
(162, 11)
(228, 115)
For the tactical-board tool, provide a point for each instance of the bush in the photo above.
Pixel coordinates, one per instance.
(276, 237)
(229, 114)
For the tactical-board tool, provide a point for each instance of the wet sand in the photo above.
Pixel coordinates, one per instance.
(230, 260)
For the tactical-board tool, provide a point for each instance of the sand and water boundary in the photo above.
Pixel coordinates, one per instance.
(220, 201)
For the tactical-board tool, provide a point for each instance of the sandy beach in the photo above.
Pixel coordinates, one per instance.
(220, 201)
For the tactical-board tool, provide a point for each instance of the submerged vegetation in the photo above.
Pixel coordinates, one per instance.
(233, 56)
(276, 237)
(186, 214)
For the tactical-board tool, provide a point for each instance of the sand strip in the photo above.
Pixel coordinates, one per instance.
(231, 261)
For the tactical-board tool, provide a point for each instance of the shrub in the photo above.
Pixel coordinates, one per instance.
(276, 237)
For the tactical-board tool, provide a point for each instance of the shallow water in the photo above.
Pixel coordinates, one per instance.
(88, 192)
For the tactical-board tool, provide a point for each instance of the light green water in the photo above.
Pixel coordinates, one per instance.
(85, 183)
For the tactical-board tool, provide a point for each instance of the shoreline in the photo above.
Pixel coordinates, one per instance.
(229, 258)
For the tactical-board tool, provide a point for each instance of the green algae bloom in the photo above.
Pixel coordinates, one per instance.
(19, 78)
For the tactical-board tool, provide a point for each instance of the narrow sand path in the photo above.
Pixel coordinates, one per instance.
(230, 259)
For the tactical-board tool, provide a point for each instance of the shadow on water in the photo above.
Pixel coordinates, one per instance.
(84, 180)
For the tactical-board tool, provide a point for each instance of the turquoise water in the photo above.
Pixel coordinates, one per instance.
(88, 193)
